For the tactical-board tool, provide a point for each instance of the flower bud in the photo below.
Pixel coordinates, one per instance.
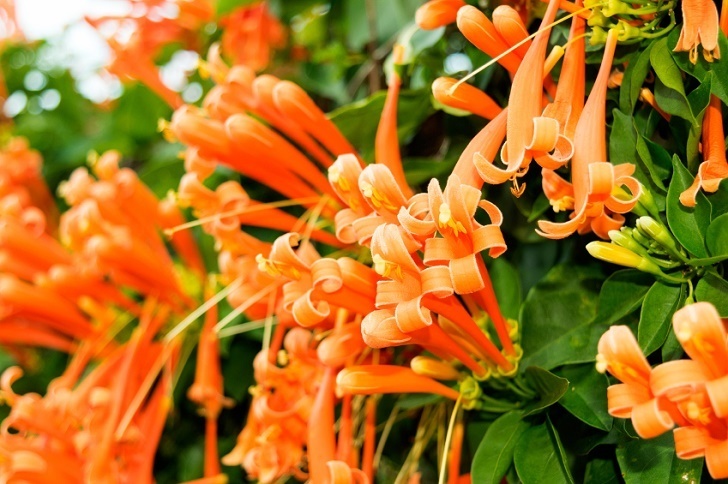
(436, 369)
(659, 234)
(623, 257)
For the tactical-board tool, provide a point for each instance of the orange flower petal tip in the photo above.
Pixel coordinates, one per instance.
(437, 13)
(376, 379)
(620, 354)
(439, 370)
(716, 458)
(510, 26)
(465, 97)
(700, 27)
(650, 420)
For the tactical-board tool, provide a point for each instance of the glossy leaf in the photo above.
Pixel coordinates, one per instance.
(622, 294)
(654, 460)
(634, 77)
(713, 289)
(586, 397)
(507, 285)
(495, 452)
(716, 237)
(688, 224)
(669, 90)
(556, 319)
(660, 303)
(548, 386)
(539, 456)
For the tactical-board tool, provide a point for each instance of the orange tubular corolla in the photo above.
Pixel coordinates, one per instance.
(437, 13)
(376, 379)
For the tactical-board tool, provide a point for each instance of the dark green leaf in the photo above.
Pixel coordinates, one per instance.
(671, 350)
(669, 90)
(716, 237)
(556, 319)
(548, 386)
(687, 224)
(714, 290)
(654, 460)
(538, 457)
(495, 452)
(661, 302)
(358, 121)
(621, 294)
(634, 77)
(602, 471)
(586, 398)
(507, 285)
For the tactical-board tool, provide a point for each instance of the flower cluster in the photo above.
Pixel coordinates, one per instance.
(689, 394)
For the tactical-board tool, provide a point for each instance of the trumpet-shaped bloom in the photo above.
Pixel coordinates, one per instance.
(593, 178)
(700, 26)
(715, 167)
(437, 13)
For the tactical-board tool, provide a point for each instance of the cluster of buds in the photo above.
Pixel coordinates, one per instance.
(649, 247)
(689, 394)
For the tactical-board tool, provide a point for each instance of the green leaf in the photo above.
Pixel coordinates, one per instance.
(669, 90)
(601, 471)
(687, 224)
(719, 87)
(716, 237)
(539, 457)
(224, 7)
(645, 150)
(654, 460)
(549, 387)
(495, 452)
(699, 100)
(714, 290)
(672, 349)
(634, 77)
(556, 319)
(622, 294)
(586, 398)
(661, 302)
(507, 285)
(358, 121)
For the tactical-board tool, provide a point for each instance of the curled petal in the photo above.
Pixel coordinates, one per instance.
(492, 174)
(341, 473)
(691, 442)
(326, 275)
(379, 330)
(416, 217)
(621, 205)
(558, 156)
(650, 420)
(677, 380)
(465, 274)
(436, 280)
(717, 391)
(411, 315)
(620, 354)
(702, 334)
(602, 225)
(307, 313)
(716, 458)
(622, 398)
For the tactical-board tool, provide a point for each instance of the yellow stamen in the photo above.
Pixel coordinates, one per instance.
(445, 220)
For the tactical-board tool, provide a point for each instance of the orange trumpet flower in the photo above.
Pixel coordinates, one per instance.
(700, 26)
(594, 179)
(437, 13)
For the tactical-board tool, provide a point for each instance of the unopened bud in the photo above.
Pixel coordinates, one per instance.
(657, 232)
(436, 369)
(622, 256)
